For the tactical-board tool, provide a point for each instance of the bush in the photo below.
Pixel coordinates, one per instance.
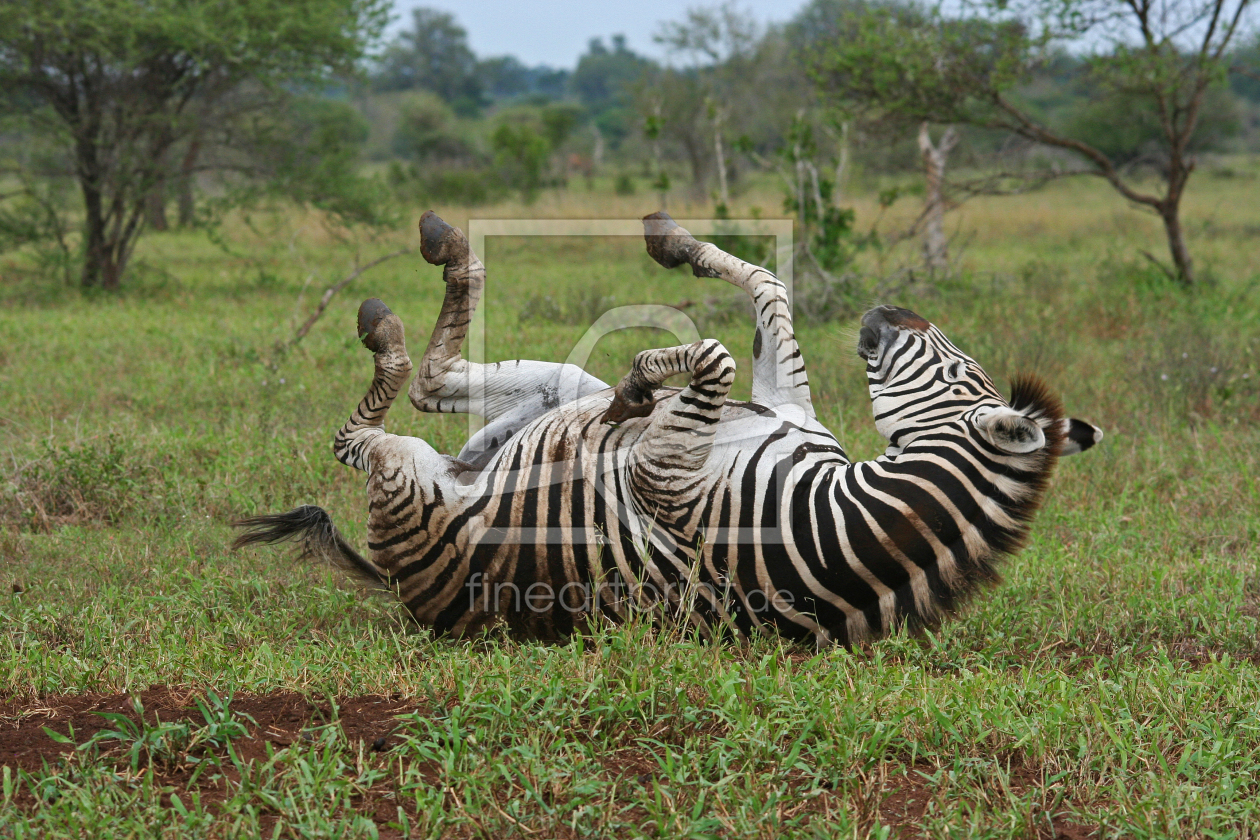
(426, 133)
(73, 485)
(465, 186)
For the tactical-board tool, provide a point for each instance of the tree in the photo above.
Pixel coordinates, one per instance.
(525, 140)
(721, 42)
(505, 78)
(603, 77)
(427, 132)
(1162, 60)
(935, 158)
(434, 55)
(120, 84)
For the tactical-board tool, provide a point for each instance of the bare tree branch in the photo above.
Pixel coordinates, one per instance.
(331, 292)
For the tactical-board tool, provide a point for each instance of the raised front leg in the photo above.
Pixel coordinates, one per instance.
(412, 490)
(507, 394)
(778, 368)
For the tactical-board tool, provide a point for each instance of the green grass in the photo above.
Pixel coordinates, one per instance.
(1112, 682)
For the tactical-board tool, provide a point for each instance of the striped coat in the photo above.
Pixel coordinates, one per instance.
(579, 500)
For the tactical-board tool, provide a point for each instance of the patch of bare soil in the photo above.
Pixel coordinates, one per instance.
(283, 718)
(899, 801)
(280, 719)
(907, 797)
(274, 721)
(1075, 658)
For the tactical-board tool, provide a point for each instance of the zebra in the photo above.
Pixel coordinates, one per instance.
(578, 502)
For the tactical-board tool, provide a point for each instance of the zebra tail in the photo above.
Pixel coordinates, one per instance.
(318, 539)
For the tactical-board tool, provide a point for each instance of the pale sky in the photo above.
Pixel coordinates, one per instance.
(556, 32)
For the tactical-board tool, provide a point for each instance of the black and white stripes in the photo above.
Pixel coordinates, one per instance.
(734, 517)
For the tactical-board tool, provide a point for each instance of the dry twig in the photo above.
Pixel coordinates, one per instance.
(332, 290)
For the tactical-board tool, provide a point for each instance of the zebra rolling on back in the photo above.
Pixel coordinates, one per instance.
(578, 499)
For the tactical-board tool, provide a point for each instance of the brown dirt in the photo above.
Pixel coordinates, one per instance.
(281, 718)
(908, 796)
(1188, 651)
(284, 717)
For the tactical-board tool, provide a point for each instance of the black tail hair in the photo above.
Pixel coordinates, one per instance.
(319, 540)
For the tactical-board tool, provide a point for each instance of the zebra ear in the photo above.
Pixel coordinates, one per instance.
(1079, 435)
(1010, 431)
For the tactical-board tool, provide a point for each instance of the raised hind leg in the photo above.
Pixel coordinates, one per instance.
(381, 332)
(507, 394)
(779, 376)
(667, 462)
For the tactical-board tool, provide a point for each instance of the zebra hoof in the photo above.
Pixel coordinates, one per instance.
(439, 242)
(379, 328)
(671, 245)
(628, 401)
(667, 243)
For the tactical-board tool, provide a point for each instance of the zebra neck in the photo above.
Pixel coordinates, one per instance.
(903, 537)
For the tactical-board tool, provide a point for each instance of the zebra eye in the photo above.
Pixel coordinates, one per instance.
(955, 371)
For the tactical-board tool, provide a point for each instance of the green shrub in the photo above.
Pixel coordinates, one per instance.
(68, 485)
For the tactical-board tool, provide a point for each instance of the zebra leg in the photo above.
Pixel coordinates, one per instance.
(508, 395)
(363, 438)
(441, 383)
(411, 488)
(779, 377)
(679, 436)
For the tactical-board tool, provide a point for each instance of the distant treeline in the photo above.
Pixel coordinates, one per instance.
(120, 116)
(434, 103)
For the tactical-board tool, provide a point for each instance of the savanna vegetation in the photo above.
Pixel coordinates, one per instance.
(155, 684)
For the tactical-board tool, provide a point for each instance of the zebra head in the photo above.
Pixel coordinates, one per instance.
(919, 381)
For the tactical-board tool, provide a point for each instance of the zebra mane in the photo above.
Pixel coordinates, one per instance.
(1031, 396)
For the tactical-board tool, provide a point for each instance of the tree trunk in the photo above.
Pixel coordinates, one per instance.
(597, 154)
(94, 249)
(693, 146)
(155, 206)
(1179, 169)
(1170, 212)
(719, 152)
(935, 246)
(107, 247)
(111, 274)
(184, 185)
(842, 164)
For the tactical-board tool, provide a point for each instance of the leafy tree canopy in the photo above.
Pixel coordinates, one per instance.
(604, 76)
(1155, 64)
(121, 84)
(434, 55)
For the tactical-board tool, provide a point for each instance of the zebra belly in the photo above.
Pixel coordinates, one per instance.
(551, 530)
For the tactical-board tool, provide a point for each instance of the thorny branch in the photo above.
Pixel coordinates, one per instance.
(332, 291)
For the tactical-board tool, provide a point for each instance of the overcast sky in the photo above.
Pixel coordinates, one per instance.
(556, 32)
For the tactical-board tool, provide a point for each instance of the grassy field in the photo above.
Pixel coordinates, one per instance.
(153, 684)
